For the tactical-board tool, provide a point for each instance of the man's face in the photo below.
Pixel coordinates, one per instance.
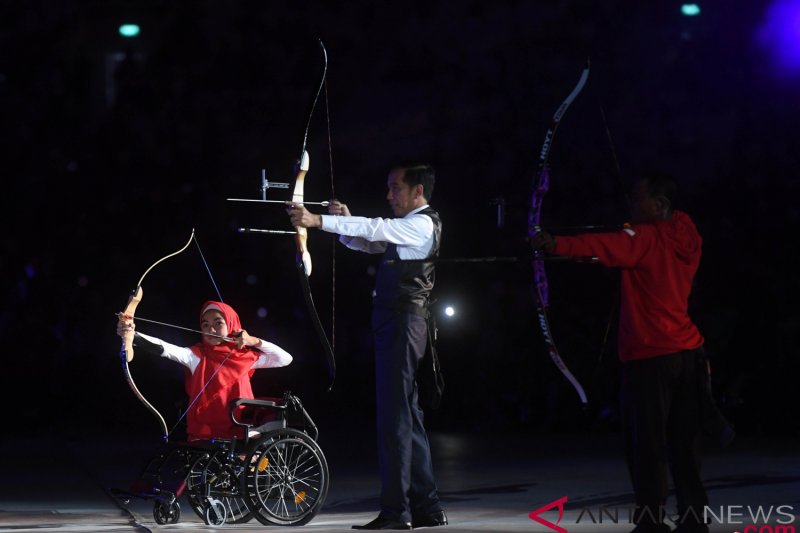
(213, 322)
(644, 207)
(402, 198)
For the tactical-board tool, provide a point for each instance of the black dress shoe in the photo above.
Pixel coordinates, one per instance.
(430, 520)
(383, 522)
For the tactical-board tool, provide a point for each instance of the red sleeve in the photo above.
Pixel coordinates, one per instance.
(618, 249)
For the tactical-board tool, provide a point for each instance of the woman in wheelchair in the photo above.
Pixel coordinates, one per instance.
(245, 457)
(218, 368)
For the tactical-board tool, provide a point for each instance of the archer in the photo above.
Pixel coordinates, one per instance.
(218, 368)
(665, 393)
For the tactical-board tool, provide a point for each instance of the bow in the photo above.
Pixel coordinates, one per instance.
(303, 258)
(540, 186)
(126, 351)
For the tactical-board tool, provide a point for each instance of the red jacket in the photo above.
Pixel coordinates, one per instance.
(658, 263)
(222, 376)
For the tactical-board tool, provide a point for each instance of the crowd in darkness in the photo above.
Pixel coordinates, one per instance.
(116, 149)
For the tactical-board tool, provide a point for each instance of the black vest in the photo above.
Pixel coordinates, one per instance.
(402, 283)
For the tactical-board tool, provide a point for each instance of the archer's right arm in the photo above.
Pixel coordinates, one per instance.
(359, 244)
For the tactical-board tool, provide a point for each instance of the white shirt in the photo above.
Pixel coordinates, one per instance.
(413, 234)
(272, 356)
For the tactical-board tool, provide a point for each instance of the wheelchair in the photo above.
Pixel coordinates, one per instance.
(277, 473)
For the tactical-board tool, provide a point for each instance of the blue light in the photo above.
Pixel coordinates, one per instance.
(129, 30)
(779, 35)
(690, 10)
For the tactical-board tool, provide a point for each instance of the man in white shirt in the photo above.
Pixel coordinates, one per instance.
(409, 497)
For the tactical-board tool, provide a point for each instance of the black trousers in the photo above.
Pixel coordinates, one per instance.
(661, 407)
(408, 487)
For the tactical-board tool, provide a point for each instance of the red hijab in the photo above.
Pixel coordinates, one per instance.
(222, 376)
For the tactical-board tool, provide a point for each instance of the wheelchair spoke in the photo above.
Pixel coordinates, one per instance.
(288, 480)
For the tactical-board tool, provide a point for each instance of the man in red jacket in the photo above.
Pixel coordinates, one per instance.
(659, 347)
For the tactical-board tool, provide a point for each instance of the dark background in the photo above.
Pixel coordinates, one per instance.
(116, 148)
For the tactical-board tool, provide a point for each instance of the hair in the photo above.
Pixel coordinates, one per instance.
(419, 174)
(661, 184)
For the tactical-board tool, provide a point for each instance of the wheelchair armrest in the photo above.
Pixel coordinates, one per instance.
(288, 404)
(264, 404)
(257, 403)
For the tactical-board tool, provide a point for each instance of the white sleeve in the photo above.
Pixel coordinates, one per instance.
(179, 354)
(360, 244)
(413, 230)
(272, 356)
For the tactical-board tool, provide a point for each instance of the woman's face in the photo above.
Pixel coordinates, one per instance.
(213, 322)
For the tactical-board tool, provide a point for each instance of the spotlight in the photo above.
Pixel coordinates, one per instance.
(690, 10)
(129, 30)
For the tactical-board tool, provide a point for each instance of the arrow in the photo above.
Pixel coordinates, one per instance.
(325, 203)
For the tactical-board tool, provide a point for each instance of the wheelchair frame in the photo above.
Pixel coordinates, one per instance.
(279, 475)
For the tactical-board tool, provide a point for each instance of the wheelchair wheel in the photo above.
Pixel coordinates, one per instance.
(286, 480)
(216, 513)
(213, 482)
(166, 513)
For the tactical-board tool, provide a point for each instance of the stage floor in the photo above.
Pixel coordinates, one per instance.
(488, 482)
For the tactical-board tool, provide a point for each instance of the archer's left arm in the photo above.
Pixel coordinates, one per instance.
(623, 248)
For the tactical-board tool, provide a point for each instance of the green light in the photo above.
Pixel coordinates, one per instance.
(690, 10)
(129, 30)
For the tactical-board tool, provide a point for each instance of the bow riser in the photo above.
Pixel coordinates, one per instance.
(129, 312)
(301, 238)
